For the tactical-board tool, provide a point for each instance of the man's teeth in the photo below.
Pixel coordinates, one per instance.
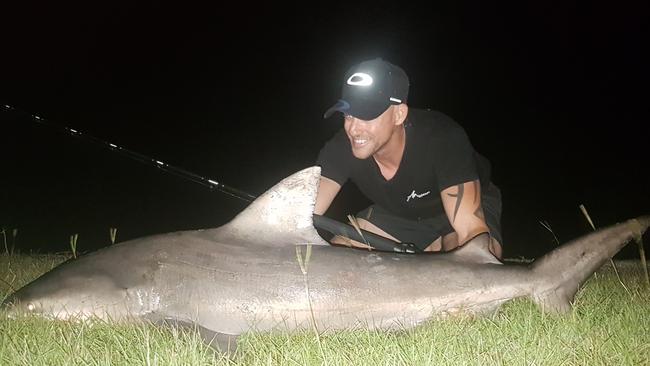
(360, 142)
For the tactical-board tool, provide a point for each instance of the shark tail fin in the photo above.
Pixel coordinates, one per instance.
(562, 271)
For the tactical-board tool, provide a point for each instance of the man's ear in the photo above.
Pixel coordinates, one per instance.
(401, 111)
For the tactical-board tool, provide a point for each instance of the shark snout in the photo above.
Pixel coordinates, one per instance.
(14, 306)
(7, 305)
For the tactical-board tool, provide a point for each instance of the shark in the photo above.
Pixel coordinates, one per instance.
(268, 269)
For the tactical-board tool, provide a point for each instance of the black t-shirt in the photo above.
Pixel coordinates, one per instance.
(438, 155)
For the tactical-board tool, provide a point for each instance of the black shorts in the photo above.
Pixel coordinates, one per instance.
(424, 231)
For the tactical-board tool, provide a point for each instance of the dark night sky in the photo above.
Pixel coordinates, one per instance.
(554, 94)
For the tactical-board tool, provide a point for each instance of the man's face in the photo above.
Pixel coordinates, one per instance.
(369, 137)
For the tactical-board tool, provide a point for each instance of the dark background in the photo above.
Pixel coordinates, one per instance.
(555, 94)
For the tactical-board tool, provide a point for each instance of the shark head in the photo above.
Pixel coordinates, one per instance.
(69, 293)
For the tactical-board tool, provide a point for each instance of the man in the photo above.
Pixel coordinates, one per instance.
(429, 187)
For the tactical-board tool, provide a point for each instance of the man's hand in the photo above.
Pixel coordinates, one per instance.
(327, 190)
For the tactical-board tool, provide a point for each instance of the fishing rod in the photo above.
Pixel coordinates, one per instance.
(210, 183)
(335, 227)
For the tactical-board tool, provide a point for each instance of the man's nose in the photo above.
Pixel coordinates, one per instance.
(354, 124)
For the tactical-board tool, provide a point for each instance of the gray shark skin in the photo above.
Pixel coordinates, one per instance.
(245, 276)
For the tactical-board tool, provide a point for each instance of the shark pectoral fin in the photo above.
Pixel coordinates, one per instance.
(476, 251)
(220, 342)
(555, 301)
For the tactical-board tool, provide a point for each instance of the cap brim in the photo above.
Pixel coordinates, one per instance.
(340, 106)
(365, 110)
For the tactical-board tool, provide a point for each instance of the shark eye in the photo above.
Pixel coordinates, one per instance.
(30, 306)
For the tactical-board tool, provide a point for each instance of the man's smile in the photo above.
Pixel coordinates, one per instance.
(359, 142)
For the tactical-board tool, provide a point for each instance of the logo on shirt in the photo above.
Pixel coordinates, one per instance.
(416, 195)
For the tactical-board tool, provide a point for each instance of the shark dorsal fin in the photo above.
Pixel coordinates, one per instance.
(283, 215)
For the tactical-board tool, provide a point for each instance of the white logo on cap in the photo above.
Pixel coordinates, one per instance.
(363, 79)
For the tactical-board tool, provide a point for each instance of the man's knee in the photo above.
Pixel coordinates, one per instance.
(364, 224)
(345, 241)
(435, 246)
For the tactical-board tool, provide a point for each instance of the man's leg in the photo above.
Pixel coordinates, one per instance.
(380, 221)
(435, 246)
(434, 234)
(445, 243)
(367, 226)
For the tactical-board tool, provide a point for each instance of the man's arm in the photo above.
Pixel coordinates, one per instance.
(327, 190)
(462, 203)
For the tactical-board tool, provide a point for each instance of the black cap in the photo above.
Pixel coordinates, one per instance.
(369, 88)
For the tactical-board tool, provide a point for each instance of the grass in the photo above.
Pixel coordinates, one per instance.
(609, 325)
